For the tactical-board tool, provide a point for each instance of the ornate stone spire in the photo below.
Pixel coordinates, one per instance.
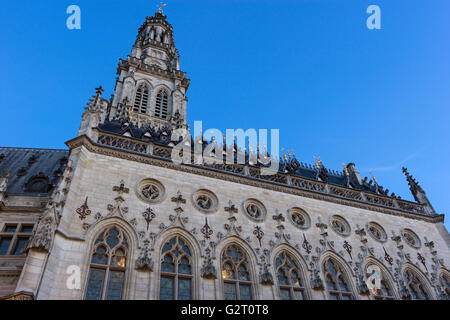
(418, 193)
(151, 88)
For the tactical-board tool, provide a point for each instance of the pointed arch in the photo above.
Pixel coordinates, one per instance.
(141, 98)
(178, 266)
(237, 270)
(162, 103)
(388, 289)
(290, 273)
(417, 283)
(109, 279)
(337, 277)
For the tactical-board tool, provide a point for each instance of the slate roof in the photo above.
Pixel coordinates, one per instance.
(33, 172)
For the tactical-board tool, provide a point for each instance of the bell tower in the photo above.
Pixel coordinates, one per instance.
(151, 88)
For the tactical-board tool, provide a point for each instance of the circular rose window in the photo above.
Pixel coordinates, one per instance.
(299, 218)
(205, 201)
(376, 231)
(255, 210)
(340, 225)
(411, 238)
(150, 190)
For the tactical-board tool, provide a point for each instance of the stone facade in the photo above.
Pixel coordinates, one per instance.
(116, 179)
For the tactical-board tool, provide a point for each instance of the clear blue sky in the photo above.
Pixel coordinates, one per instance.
(379, 98)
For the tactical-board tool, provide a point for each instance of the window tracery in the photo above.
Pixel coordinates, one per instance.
(150, 190)
(290, 284)
(411, 238)
(337, 283)
(299, 218)
(255, 210)
(376, 231)
(176, 270)
(415, 286)
(205, 201)
(235, 274)
(108, 265)
(340, 225)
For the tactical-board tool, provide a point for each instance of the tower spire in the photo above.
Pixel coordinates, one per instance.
(418, 193)
(151, 87)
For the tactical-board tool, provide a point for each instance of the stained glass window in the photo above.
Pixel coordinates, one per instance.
(337, 283)
(415, 286)
(235, 274)
(108, 265)
(289, 282)
(176, 271)
(95, 284)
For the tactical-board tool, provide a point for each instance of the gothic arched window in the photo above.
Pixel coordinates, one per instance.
(289, 281)
(415, 286)
(176, 271)
(141, 99)
(337, 283)
(108, 265)
(235, 274)
(162, 104)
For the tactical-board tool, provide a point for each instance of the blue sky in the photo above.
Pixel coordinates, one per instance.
(311, 68)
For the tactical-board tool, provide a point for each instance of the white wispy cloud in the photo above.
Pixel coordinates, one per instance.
(395, 165)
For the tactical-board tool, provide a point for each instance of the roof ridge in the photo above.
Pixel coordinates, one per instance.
(34, 149)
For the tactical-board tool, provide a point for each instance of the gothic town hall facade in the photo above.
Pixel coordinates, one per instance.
(115, 211)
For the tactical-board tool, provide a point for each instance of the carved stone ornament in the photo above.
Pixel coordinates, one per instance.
(411, 238)
(121, 188)
(231, 208)
(255, 210)
(306, 245)
(299, 218)
(340, 225)
(208, 271)
(205, 201)
(266, 276)
(316, 280)
(150, 191)
(83, 211)
(145, 262)
(148, 215)
(42, 238)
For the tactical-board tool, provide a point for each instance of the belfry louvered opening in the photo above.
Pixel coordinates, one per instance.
(162, 104)
(141, 99)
